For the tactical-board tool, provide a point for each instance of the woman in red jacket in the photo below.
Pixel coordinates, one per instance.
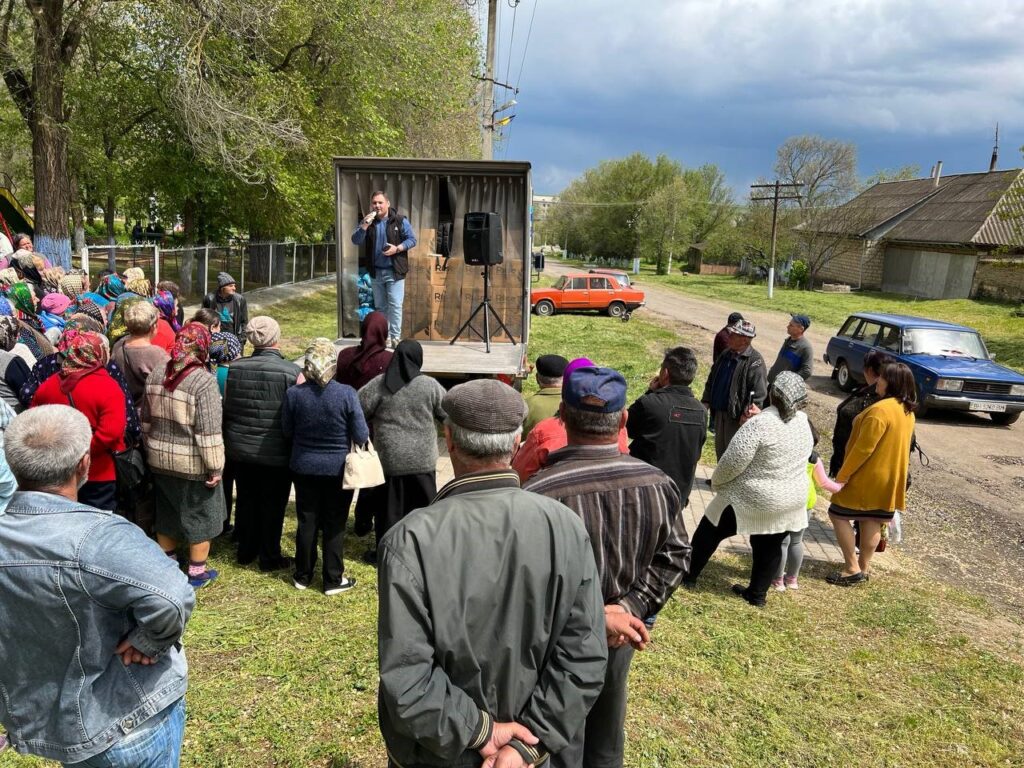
(84, 384)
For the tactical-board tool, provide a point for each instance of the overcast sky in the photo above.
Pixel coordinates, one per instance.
(726, 81)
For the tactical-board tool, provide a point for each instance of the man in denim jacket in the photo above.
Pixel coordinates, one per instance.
(92, 613)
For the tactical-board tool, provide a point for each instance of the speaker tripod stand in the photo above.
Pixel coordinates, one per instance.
(485, 307)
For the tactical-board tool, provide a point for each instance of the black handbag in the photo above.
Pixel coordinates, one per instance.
(130, 467)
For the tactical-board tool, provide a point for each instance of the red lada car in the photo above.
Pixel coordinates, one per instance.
(579, 291)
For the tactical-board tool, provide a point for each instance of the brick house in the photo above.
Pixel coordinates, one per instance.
(954, 236)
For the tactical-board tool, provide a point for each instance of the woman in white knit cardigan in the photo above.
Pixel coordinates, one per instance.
(761, 488)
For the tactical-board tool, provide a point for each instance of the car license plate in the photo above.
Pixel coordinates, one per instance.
(988, 407)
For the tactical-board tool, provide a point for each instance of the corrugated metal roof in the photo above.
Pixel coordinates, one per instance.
(964, 208)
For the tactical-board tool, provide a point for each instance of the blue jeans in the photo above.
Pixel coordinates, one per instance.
(388, 295)
(154, 744)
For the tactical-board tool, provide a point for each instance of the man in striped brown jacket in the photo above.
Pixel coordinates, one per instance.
(633, 514)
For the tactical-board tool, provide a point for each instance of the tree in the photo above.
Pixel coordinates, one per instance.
(827, 170)
(904, 173)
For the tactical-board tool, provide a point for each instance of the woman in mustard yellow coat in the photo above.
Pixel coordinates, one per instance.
(874, 472)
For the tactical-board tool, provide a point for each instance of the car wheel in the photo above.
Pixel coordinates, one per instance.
(616, 309)
(1005, 419)
(844, 378)
(544, 308)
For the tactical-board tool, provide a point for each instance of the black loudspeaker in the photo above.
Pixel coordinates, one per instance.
(481, 239)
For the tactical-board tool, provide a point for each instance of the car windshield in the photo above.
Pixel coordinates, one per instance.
(936, 341)
(560, 283)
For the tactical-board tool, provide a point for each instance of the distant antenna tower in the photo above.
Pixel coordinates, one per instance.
(995, 152)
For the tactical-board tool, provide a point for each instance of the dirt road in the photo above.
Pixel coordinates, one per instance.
(966, 517)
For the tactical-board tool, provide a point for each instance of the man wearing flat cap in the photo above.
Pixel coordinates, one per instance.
(738, 380)
(543, 404)
(796, 354)
(229, 305)
(480, 659)
(633, 514)
(255, 443)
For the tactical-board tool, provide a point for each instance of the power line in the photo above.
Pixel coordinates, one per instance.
(511, 41)
(526, 47)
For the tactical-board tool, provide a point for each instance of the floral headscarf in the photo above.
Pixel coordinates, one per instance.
(164, 302)
(321, 361)
(81, 353)
(110, 287)
(224, 347)
(6, 310)
(8, 333)
(71, 286)
(118, 327)
(82, 322)
(190, 352)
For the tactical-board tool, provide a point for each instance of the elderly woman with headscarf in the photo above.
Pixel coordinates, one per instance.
(322, 418)
(74, 284)
(224, 347)
(31, 333)
(167, 325)
(403, 406)
(181, 421)
(25, 266)
(13, 369)
(760, 487)
(51, 314)
(358, 364)
(50, 365)
(84, 383)
(51, 279)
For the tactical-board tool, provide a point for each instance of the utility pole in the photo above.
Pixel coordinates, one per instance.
(487, 118)
(777, 186)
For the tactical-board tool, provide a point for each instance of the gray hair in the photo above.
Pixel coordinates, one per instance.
(549, 381)
(44, 444)
(140, 317)
(581, 422)
(483, 445)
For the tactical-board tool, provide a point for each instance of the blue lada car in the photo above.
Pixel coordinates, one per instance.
(951, 365)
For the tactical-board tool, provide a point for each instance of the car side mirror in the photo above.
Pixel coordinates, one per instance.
(538, 262)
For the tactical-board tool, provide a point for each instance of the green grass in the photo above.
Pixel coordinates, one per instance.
(900, 672)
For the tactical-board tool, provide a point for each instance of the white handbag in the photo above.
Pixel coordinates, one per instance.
(362, 468)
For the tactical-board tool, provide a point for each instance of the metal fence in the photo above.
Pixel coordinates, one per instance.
(195, 269)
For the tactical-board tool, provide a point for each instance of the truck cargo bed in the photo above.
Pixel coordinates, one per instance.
(465, 358)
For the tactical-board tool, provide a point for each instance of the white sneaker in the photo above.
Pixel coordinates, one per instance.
(299, 585)
(345, 586)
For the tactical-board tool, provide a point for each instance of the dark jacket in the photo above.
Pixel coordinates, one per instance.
(721, 344)
(450, 662)
(237, 307)
(253, 402)
(322, 422)
(750, 375)
(393, 233)
(668, 428)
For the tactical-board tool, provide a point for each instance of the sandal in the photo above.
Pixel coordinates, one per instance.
(839, 580)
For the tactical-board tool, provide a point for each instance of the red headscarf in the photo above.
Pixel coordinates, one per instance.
(190, 352)
(81, 353)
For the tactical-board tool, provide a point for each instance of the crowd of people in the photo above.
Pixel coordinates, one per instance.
(511, 603)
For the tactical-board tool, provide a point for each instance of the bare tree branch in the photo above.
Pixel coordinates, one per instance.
(286, 62)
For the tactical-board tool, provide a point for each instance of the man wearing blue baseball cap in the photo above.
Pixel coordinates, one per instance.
(796, 354)
(633, 514)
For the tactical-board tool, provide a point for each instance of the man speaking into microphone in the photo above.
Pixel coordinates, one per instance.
(385, 237)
